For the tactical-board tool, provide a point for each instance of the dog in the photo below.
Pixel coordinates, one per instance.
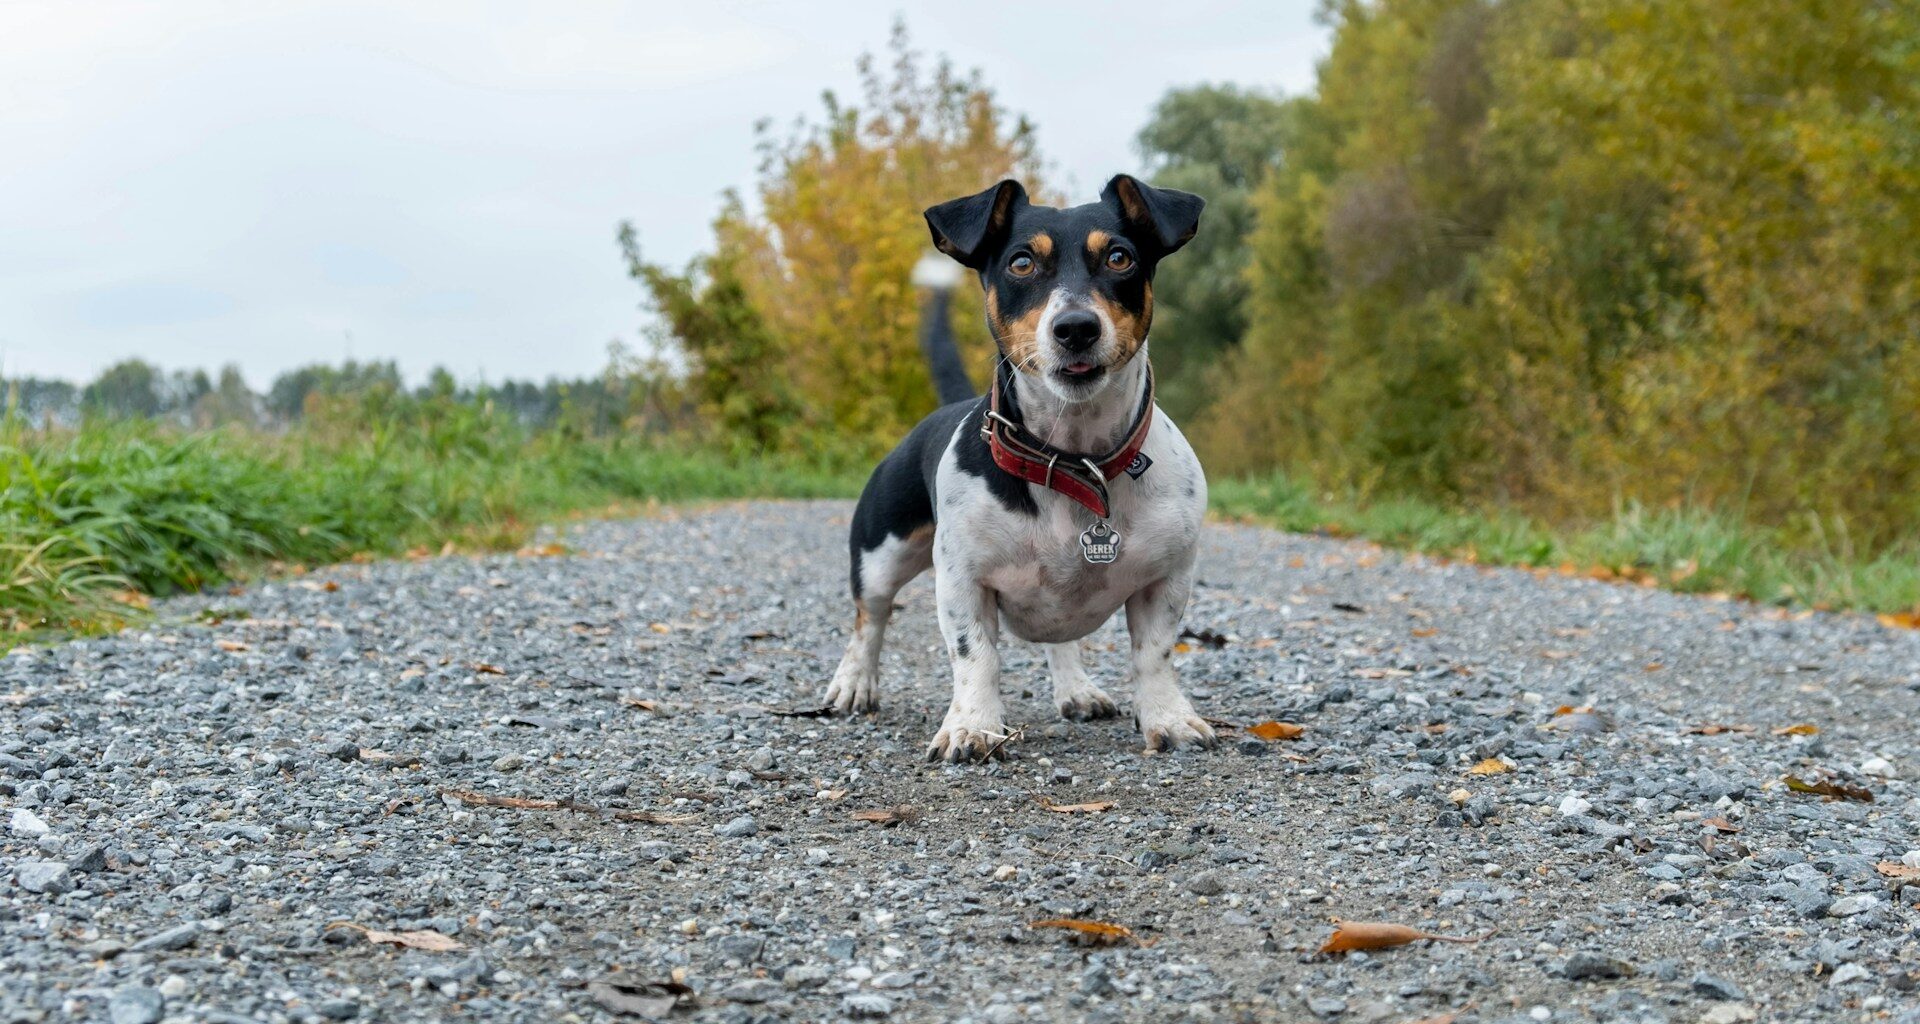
(1058, 497)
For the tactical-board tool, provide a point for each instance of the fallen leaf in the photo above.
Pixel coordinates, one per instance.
(1491, 766)
(1271, 731)
(639, 999)
(1423, 632)
(1094, 807)
(373, 756)
(644, 705)
(1900, 620)
(543, 551)
(1898, 871)
(1720, 825)
(888, 815)
(1568, 709)
(1183, 648)
(232, 645)
(1097, 932)
(482, 668)
(428, 940)
(1830, 790)
(1803, 729)
(1221, 724)
(660, 627)
(1352, 936)
(1204, 637)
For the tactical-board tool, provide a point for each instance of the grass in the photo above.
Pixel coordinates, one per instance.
(1687, 550)
(95, 520)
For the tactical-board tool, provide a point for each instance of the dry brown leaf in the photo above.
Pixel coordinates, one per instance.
(428, 940)
(1271, 731)
(1351, 936)
(1097, 932)
(1720, 825)
(1093, 807)
(1569, 709)
(640, 999)
(644, 705)
(1898, 871)
(1802, 729)
(372, 756)
(1183, 648)
(1491, 766)
(1900, 620)
(232, 645)
(485, 669)
(888, 815)
(543, 551)
(1423, 632)
(1830, 790)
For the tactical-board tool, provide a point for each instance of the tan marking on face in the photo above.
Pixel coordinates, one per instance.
(1097, 242)
(1129, 327)
(1042, 245)
(1019, 338)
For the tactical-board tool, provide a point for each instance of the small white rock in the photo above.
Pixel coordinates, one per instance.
(173, 986)
(1005, 872)
(1540, 1013)
(26, 823)
(1879, 766)
(1847, 974)
(1574, 805)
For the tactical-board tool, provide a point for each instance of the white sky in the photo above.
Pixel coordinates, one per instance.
(438, 182)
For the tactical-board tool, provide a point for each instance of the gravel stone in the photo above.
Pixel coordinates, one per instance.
(44, 876)
(139, 1005)
(211, 808)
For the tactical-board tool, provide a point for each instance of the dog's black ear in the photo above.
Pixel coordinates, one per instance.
(1165, 216)
(966, 228)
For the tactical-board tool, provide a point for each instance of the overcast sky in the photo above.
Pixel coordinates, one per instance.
(274, 183)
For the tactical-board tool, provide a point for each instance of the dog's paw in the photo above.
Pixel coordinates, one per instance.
(969, 735)
(1171, 726)
(854, 689)
(1086, 704)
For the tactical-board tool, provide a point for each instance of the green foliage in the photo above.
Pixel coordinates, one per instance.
(1568, 255)
(1216, 141)
(114, 506)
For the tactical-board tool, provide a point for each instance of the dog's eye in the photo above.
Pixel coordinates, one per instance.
(1021, 265)
(1119, 260)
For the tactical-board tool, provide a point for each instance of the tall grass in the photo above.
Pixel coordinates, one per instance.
(1689, 550)
(92, 517)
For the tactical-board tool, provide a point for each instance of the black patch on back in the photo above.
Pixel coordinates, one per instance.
(972, 457)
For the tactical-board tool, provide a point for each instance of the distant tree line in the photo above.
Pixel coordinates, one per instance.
(627, 393)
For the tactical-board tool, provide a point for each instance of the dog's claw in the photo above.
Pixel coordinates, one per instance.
(1191, 730)
(853, 691)
(1087, 706)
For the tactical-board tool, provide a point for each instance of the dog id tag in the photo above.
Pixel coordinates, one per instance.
(1100, 543)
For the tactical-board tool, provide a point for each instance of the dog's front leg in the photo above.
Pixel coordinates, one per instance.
(975, 726)
(1165, 717)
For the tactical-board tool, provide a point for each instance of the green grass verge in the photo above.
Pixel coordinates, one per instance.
(1691, 551)
(94, 518)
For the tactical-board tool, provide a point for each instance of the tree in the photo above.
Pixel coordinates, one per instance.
(125, 390)
(817, 283)
(1219, 142)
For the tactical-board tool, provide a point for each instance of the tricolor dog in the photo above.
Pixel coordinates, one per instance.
(1061, 495)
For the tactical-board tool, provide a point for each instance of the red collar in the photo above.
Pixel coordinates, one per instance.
(1083, 478)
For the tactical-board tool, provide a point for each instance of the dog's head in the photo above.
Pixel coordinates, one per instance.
(1069, 292)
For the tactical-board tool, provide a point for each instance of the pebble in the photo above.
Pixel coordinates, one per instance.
(137, 1005)
(866, 1005)
(1586, 966)
(738, 828)
(1574, 805)
(44, 876)
(1714, 987)
(167, 941)
(1848, 906)
(26, 823)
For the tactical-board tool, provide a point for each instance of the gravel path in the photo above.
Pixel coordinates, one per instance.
(203, 819)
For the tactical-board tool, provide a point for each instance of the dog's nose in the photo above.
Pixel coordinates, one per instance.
(1076, 331)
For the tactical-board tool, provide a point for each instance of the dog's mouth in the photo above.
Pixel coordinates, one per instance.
(1080, 372)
